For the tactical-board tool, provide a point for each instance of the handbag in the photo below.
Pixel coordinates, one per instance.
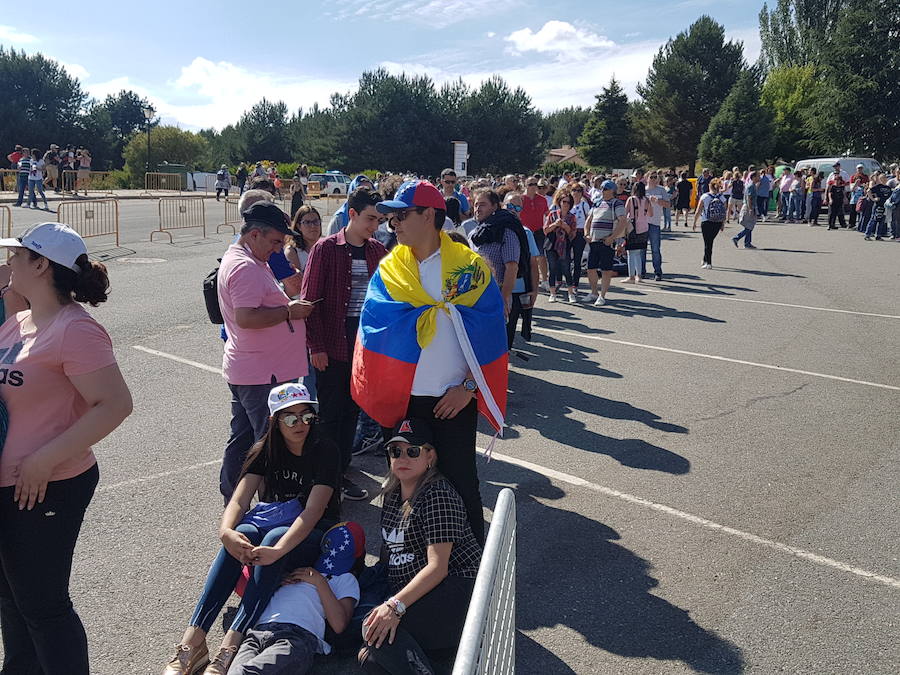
(269, 515)
(634, 239)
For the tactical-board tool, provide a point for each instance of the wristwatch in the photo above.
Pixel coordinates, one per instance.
(398, 607)
(470, 386)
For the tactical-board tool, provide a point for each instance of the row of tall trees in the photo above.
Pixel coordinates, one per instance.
(825, 84)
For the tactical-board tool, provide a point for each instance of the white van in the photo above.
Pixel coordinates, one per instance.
(848, 164)
(331, 183)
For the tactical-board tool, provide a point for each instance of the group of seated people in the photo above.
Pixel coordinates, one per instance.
(300, 569)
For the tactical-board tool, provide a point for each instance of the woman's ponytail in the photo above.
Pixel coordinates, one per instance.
(91, 282)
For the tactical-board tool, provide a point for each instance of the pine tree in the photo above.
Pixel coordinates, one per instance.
(741, 132)
(796, 32)
(689, 78)
(606, 139)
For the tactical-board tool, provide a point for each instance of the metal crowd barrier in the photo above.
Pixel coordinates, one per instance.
(488, 642)
(164, 182)
(96, 181)
(232, 216)
(91, 218)
(180, 213)
(6, 221)
(8, 180)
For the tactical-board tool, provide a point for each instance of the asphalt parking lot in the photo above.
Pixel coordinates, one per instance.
(705, 469)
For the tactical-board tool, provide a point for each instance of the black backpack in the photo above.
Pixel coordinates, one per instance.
(211, 296)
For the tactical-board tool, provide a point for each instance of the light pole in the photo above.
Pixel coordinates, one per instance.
(148, 115)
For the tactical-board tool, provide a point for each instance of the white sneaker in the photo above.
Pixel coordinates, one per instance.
(600, 301)
(592, 297)
(552, 298)
(707, 266)
(573, 298)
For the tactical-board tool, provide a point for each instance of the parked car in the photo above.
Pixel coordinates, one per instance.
(331, 182)
(848, 164)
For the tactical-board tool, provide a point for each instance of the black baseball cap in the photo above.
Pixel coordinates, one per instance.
(414, 431)
(268, 214)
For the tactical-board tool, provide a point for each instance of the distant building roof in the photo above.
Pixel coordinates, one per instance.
(564, 154)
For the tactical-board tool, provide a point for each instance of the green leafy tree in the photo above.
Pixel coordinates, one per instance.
(563, 127)
(741, 131)
(502, 127)
(263, 130)
(797, 32)
(314, 136)
(791, 93)
(688, 80)
(607, 136)
(222, 147)
(858, 108)
(40, 102)
(167, 144)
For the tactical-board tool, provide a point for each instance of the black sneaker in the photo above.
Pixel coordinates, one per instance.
(352, 491)
(658, 277)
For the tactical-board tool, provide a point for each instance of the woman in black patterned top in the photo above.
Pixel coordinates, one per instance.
(431, 555)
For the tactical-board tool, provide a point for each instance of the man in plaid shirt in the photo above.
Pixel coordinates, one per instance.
(336, 278)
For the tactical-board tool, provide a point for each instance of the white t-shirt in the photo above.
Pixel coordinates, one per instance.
(441, 364)
(37, 170)
(660, 192)
(299, 604)
(581, 211)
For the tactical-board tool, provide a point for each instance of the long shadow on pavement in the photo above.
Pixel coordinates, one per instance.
(572, 572)
(543, 406)
(630, 307)
(759, 273)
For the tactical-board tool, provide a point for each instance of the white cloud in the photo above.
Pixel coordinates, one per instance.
(395, 68)
(13, 36)
(559, 37)
(75, 70)
(491, 34)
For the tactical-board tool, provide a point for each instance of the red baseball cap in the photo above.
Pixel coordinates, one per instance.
(413, 193)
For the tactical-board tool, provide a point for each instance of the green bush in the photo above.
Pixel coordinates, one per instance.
(558, 168)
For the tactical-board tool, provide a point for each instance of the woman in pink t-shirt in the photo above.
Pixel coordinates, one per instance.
(638, 210)
(64, 393)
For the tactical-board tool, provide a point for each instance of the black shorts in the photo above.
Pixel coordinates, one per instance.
(539, 238)
(600, 257)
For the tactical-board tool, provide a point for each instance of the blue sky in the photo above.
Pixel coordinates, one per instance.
(202, 66)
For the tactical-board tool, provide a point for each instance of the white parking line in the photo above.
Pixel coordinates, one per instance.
(714, 296)
(579, 336)
(702, 522)
(581, 482)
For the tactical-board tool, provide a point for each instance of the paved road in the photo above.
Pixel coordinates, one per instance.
(706, 468)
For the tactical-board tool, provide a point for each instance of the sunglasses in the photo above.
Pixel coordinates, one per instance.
(400, 216)
(530, 184)
(316, 222)
(291, 420)
(413, 451)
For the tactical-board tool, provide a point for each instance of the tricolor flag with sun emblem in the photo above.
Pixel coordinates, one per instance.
(399, 319)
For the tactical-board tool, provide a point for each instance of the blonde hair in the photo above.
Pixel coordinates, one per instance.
(715, 185)
(392, 484)
(561, 194)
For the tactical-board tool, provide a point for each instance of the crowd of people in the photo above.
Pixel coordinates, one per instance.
(389, 329)
(66, 169)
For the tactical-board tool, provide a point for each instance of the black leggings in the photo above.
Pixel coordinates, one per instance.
(41, 631)
(578, 244)
(710, 232)
(434, 622)
(836, 211)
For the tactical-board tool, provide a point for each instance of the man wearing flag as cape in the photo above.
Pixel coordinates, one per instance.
(432, 339)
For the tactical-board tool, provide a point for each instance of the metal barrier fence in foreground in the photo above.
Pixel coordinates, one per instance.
(180, 213)
(91, 217)
(232, 217)
(488, 642)
(6, 221)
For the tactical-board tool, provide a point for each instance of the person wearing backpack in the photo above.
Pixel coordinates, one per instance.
(713, 209)
(223, 182)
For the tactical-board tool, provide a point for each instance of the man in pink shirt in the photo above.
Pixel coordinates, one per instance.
(266, 333)
(534, 207)
(784, 194)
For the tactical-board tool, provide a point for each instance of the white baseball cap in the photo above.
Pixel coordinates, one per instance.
(286, 395)
(55, 241)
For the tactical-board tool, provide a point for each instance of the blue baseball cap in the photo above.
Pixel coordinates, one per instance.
(413, 193)
(609, 185)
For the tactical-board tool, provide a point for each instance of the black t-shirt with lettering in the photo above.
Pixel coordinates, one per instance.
(320, 464)
(880, 194)
(836, 195)
(437, 516)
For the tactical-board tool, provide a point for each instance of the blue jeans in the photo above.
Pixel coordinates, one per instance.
(249, 421)
(273, 648)
(815, 206)
(795, 206)
(226, 570)
(21, 186)
(762, 205)
(654, 239)
(746, 235)
(784, 205)
(877, 224)
(636, 260)
(36, 186)
(667, 218)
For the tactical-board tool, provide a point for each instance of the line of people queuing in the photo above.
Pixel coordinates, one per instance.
(64, 170)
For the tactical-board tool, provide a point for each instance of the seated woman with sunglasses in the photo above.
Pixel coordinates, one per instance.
(291, 462)
(431, 555)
